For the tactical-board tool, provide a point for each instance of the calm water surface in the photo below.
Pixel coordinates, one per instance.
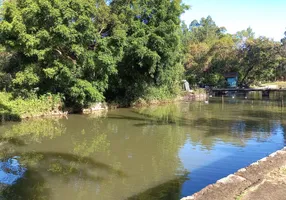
(162, 152)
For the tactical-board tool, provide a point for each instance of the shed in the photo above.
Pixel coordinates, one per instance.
(231, 79)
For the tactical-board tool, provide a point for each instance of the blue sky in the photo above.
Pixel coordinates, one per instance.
(265, 17)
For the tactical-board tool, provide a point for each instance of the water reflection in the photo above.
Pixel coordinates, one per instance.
(75, 171)
(76, 167)
(31, 186)
(169, 190)
(253, 95)
(35, 130)
(160, 152)
(230, 124)
(11, 171)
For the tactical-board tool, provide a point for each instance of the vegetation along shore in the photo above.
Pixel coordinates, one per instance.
(73, 54)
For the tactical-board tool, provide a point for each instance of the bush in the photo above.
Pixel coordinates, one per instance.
(157, 94)
(16, 109)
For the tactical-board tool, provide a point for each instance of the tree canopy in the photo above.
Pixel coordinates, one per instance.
(212, 52)
(153, 57)
(58, 46)
(81, 48)
(125, 50)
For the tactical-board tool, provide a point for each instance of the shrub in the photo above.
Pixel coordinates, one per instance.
(16, 109)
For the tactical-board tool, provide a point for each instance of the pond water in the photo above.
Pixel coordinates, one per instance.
(163, 152)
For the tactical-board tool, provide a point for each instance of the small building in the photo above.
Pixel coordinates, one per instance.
(231, 79)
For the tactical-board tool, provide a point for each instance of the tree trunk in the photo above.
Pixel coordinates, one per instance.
(245, 76)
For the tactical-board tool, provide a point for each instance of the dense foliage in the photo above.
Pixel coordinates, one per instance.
(58, 47)
(152, 64)
(87, 50)
(125, 50)
(213, 53)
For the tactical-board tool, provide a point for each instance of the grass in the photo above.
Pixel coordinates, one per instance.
(156, 95)
(280, 84)
(16, 109)
(283, 170)
(239, 197)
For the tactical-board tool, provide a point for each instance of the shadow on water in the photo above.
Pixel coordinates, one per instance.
(11, 141)
(210, 173)
(204, 175)
(30, 186)
(170, 190)
(149, 119)
(145, 118)
(187, 185)
(32, 168)
(68, 165)
(170, 119)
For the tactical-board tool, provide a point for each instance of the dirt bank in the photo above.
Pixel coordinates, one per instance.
(263, 180)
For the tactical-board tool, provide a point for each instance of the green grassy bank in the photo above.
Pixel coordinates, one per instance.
(16, 109)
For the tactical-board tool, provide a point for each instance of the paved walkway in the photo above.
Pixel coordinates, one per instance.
(263, 180)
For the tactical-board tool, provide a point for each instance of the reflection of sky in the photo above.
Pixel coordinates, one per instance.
(11, 171)
(208, 166)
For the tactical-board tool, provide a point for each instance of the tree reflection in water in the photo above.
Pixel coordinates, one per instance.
(34, 167)
(133, 153)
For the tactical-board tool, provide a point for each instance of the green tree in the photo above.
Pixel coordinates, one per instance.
(210, 53)
(281, 71)
(242, 36)
(205, 31)
(152, 64)
(259, 60)
(5, 79)
(61, 46)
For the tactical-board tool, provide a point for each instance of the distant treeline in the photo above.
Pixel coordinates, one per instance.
(123, 51)
(212, 52)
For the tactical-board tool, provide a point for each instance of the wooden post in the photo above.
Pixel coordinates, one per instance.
(222, 102)
(282, 101)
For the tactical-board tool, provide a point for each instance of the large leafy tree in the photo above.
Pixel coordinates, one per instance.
(259, 60)
(205, 31)
(241, 37)
(153, 58)
(61, 46)
(281, 71)
(210, 52)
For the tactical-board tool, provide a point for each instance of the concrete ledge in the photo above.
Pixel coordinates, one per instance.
(233, 185)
